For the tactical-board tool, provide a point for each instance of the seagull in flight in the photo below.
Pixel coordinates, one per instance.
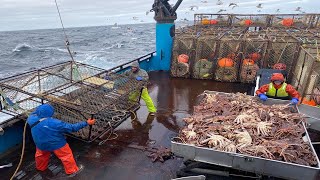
(259, 5)
(233, 5)
(193, 7)
(221, 10)
(278, 10)
(298, 9)
(219, 2)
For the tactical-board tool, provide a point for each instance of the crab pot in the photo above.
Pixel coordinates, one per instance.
(229, 55)
(306, 76)
(251, 20)
(183, 45)
(292, 20)
(78, 92)
(282, 49)
(207, 20)
(205, 57)
(254, 50)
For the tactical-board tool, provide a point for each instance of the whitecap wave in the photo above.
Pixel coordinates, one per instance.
(22, 47)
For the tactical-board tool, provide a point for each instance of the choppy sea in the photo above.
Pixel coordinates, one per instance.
(102, 46)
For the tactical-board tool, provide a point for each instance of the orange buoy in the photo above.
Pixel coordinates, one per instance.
(183, 58)
(287, 22)
(255, 56)
(213, 22)
(310, 102)
(247, 22)
(248, 62)
(225, 62)
(205, 22)
(231, 56)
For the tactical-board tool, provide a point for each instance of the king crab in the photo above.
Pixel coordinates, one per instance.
(160, 154)
(243, 139)
(264, 128)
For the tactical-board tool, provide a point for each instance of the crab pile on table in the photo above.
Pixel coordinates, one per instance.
(238, 123)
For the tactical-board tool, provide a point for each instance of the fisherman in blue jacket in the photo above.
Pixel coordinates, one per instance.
(48, 135)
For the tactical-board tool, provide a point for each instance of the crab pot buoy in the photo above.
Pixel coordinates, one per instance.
(246, 22)
(225, 62)
(183, 58)
(205, 22)
(213, 22)
(248, 62)
(231, 56)
(280, 66)
(255, 56)
(287, 22)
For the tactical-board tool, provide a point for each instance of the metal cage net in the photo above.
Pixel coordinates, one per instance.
(227, 64)
(183, 54)
(251, 20)
(306, 76)
(283, 50)
(254, 49)
(292, 20)
(205, 56)
(90, 92)
(208, 20)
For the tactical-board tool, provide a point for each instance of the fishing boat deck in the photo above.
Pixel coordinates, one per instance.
(124, 157)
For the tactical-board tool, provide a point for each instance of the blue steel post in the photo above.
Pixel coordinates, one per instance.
(164, 41)
(165, 15)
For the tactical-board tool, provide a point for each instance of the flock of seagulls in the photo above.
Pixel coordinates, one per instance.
(233, 5)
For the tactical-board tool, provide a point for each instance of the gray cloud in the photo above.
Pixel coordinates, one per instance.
(36, 14)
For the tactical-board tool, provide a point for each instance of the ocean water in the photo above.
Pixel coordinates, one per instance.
(102, 46)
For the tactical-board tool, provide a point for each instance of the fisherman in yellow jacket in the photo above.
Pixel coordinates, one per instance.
(141, 75)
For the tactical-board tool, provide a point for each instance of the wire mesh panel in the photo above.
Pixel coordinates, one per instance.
(183, 55)
(254, 50)
(227, 64)
(201, 20)
(282, 49)
(306, 76)
(78, 92)
(205, 56)
(251, 20)
(291, 20)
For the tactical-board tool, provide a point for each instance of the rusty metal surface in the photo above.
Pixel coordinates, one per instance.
(116, 159)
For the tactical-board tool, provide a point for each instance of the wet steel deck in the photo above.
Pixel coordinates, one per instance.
(118, 159)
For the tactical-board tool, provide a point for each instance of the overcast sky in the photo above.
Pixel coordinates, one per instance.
(42, 14)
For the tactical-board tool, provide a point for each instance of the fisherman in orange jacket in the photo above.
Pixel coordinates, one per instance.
(278, 89)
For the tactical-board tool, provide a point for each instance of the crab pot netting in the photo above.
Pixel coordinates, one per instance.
(206, 20)
(254, 49)
(299, 21)
(282, 49)
(205, 56)
(229, 53)
(182, 45)
(256, 20)
(75, 90)
(306, 75)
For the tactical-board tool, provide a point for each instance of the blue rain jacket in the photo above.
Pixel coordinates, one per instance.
(48, 135)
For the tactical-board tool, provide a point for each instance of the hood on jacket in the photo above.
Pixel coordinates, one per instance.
(44, 111)
(135, 64)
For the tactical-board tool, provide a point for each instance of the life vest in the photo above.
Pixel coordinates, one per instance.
(281, 92)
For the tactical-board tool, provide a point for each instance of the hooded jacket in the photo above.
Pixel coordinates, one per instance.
(48, 135)
(288, 88)
(142, 73)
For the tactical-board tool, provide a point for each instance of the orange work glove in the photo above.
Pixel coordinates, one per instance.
(91, 121)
